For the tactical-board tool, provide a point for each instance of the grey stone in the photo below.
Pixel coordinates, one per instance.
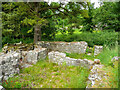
(115, 58)
(97, 61)
(60, 58)
(69, 47)
(97, 49)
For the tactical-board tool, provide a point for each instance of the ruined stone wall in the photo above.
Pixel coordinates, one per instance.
(9, 65)
(60, 58)
(11, 62)
(69, 47)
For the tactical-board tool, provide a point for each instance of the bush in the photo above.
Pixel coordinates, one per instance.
(96, 38)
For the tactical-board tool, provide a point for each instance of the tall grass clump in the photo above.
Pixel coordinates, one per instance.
(107, 54)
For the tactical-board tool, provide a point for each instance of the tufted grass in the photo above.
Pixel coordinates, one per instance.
(49, 75)
(108, 54)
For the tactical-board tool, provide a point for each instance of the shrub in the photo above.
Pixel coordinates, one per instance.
(96, 38)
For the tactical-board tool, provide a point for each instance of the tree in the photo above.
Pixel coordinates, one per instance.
(88, 23)
(34, 15)
(106, 17)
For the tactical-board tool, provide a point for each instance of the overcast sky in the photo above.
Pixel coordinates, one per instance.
(93, 1)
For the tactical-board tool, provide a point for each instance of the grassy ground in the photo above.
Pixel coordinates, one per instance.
(111, 69)
(49, 75)
(112, 77)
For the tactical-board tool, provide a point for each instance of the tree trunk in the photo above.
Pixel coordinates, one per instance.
(36, 29)
(37, 33)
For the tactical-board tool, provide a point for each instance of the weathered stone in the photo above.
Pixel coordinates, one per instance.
(95, 75)
(69, 47)
(60, 58)
(116, 58)
(97, 50)
(97, 61)
(89, 54)
(2, 88)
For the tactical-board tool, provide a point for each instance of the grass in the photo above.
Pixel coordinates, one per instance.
(81, 56)
(0, 50)
(111, 70)
(108, 54)
(105, 56)
(49, 75)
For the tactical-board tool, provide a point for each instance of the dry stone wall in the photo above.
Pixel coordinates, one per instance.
(9, 65)
(60, 58)
(11, 62)
(69, 47)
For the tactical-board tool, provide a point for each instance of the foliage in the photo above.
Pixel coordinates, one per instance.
(106, 16)
(49, 75)
(96, 38)
(88, 23)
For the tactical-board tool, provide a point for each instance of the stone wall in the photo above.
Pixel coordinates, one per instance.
(69, 47)
(32, 56)
(60, 58)
(11, 62)
(9, 65)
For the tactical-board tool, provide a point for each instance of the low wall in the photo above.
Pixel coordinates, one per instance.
(60, 58)
(69, 47)
(9, 65)
(11, 62)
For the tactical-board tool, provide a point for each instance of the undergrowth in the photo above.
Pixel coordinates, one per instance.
(96, 38)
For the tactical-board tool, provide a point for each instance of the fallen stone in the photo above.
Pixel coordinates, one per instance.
(115, 58)
(97, 61)
(97, 49)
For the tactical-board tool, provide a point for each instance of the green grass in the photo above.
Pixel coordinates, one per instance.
(0, 50)
(81, 56)
(108, 54)
(49, 75)
(105, 56)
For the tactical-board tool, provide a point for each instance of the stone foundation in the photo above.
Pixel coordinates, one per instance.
(69, 47)
(60, 58)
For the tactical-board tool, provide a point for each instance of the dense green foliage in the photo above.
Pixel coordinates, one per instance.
(21, 20)
(96, 38)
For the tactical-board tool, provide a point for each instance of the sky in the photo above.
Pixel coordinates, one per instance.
(93, 1)
(96, 3)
